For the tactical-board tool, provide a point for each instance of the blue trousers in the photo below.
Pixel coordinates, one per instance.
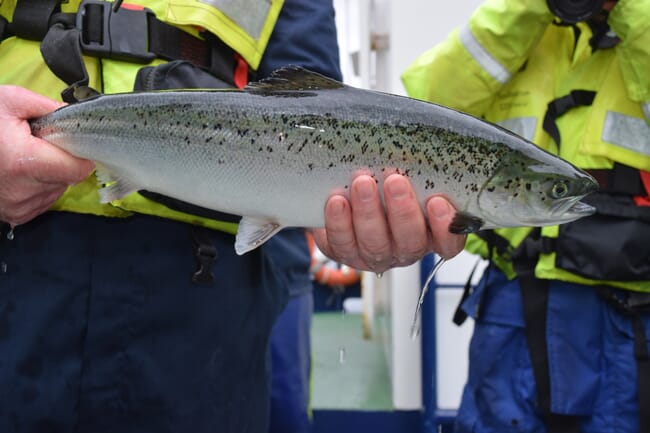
(590, 348)
(102, 330)
(291, 366)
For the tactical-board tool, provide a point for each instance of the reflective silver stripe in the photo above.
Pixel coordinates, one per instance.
(628, 132)
(524, 126)
(646, 110)
(482, 57)
(250, 15)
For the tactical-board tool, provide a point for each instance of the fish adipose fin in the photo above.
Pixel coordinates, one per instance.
(292, 79)
(114, 187)
(254, 232)
(464, 223)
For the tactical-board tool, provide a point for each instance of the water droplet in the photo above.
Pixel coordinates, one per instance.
(10, 234)
(341, 354)
(379, 274)
(3, 267)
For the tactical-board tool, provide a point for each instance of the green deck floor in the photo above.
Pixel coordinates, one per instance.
(361, 381)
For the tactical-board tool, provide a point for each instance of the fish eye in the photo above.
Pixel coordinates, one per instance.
(560, 189)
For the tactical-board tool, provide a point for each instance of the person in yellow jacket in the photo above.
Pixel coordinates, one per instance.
(137, 316)
(561, 314)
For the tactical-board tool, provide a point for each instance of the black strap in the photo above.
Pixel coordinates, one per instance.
(62, 53)
(643, 373)
(188, 208)
(31, 18)
(534, 294)
(495, 243)
(460, 315)
(5, 30)
(559, 106)
(101, 29)
(602, 37)
(635, 305)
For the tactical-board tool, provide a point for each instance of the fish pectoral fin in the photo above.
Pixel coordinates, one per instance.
(114, 186)
(465, 223)
(292, 78)
(254, 232)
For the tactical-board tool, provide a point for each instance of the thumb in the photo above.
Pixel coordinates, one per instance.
(21, 103)
(47, 163)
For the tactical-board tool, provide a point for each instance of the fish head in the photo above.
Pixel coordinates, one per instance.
(535, 191)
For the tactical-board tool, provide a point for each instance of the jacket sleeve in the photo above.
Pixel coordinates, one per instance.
(467, 70)
(630, 20)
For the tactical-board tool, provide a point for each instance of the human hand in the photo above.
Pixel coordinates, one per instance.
(33, 173)
(359, 233)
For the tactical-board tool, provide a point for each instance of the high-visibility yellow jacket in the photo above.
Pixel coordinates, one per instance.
(511, 60)
(244, 26)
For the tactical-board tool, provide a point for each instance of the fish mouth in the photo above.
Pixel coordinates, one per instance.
(582, 209)
(574, 208)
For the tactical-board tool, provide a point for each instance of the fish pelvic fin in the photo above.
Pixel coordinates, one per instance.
(290, 79)
(253, 232)
(114, 186)
(465, 223)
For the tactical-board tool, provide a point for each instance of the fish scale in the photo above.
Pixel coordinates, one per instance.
(276, 151)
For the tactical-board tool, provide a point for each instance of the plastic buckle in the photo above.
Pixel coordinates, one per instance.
(124, 32)
(205, 258)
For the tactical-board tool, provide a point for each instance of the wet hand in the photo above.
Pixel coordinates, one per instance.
(33, 173)
(359, 233)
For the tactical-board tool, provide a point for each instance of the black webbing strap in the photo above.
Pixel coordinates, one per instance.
(189, 208)
(31, 18)
(460, 315)
(602, 37)
(559, 106)
(633, 307)
(534, 294)
(5, 31)
(105, 30)
(495, 243)
(62, 53)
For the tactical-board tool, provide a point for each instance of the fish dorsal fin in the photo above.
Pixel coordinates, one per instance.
(253, 232)
(293, 78)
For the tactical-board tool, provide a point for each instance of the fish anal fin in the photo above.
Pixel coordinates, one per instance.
(253, 232)
(292, 78)
(114, 185)
(465, 223)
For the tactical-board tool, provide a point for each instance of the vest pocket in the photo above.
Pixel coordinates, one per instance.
(611, 245)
